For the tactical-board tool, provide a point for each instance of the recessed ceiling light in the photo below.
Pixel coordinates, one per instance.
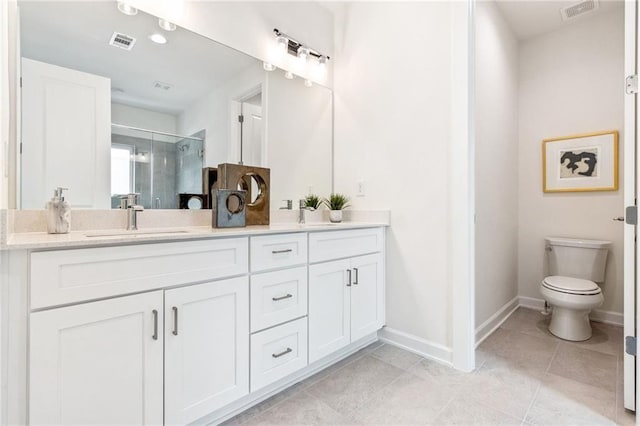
(126, 8)
(158, 38)
(308, 83)
(268, 66)
(166, 25)
(288, 75)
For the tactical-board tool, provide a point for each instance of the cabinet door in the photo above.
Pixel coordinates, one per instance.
(206, 348)
(97, 363)
(329, 308)
(367, 295)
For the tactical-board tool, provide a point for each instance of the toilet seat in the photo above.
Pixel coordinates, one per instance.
(571, 285)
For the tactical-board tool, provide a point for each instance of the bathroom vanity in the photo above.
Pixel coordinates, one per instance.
(179, 327)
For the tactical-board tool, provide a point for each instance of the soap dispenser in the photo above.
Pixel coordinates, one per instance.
(58, 213)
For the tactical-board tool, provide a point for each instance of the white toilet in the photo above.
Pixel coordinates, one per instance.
(575, 266)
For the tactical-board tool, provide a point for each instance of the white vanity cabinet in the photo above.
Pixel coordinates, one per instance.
(206, 329)
(97, 362)
(193, 331)
(346, 296)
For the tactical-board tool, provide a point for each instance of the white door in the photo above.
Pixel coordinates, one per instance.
(97, 363)
(206, 348)
(329, 308)
(66, 135)
(630, 254)
(367, 295)
(253, 149)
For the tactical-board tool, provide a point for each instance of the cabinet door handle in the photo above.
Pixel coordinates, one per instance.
(287, 296)
(349, 277)
(155, 324)
(281, 251)
(175, 321)
(355, 282)
(286, 351)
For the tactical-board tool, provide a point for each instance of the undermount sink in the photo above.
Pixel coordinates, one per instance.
(133, 233)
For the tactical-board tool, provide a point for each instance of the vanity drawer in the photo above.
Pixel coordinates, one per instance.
(331, 245)
(68, 276)
(278, 352)
(278, 297)
(278, 251)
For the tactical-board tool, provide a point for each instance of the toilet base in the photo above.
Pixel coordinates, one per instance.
(570, 324)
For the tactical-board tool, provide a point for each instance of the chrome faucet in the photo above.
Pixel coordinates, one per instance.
(129, 202)
(303, 208)
(289, 205)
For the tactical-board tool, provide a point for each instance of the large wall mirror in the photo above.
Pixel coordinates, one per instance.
(113, 103)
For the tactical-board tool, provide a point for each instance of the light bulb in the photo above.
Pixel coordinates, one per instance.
(308, 83)
(268, 66)
(158, 38)
(166, 25)
(126, 8)
(322, 64)
(303, 53)
(288, 75)
(283, 44)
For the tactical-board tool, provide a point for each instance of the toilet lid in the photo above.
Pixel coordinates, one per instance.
(571, 285)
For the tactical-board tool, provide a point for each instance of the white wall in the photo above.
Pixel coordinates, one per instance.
(496, 154)
(571, 81)
(213, 112)
(393, 102)
(298, 138)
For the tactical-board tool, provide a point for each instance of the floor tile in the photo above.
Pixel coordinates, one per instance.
(504, 386)
(439, 373)
(408, 400)
(351, 387)
(463, 411)
(335, 367)
(605, 338)
(263, 406)
(586, 366)
(528, 321)
(562, 401)
(396, 356)
(300, 409)
(535, 352)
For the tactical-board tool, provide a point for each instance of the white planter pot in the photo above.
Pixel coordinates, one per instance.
(335, 216)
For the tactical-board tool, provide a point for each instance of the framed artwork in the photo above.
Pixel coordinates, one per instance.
(580, 163)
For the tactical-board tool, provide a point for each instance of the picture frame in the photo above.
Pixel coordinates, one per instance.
(580, 163)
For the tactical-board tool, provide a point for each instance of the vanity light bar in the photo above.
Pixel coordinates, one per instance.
(293, 46)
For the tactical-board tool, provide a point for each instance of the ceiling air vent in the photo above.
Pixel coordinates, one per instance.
(162, 86)
(578, 9)
(122, 41)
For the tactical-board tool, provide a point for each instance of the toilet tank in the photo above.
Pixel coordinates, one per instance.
(577, 258)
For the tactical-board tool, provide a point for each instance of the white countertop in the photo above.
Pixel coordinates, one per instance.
(42, 240)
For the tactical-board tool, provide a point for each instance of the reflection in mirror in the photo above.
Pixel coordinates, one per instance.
(107, 111)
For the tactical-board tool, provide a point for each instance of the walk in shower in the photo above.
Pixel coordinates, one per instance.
(158, 165)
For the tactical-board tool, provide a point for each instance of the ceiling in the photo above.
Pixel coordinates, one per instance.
(530, 18)
(76, 35)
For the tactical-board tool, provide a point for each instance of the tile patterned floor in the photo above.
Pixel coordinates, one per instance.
(524, 376)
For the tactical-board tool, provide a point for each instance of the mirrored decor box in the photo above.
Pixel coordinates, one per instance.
(113, 104)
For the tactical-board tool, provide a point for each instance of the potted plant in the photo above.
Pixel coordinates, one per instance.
(312, 202)
(336, 203)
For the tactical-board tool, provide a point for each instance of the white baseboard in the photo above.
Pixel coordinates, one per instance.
(485, 329)
(598, 315)
(417, 345)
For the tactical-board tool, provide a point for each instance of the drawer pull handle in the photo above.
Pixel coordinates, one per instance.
(155, 324)
(355, 282)
(286, 351)
(349, 276)
(175, 321)
(287, 296)
(281, 251)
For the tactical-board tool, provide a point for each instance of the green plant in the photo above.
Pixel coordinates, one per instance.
(336, 202)
(312, 201)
